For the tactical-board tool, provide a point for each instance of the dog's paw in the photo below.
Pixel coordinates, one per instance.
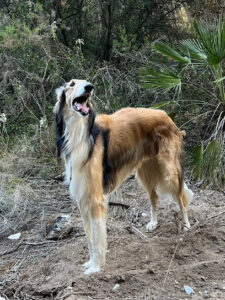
(151, 226)
(187, 226)
(87, 264)
(92, 269)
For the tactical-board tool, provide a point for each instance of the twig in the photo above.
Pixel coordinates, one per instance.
(119, 204)
(172, 258)
(198, 224)
(133, 229)
(78, 293)
(24, 243)
(214, 216)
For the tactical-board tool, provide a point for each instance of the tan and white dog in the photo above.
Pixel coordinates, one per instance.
(101, 151)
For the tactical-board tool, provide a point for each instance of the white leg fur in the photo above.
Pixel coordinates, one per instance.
(98, 236)
(188, 193)
(67, 172)
(153, 223)
(87, 227)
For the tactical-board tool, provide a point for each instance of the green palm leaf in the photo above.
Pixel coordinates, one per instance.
(197, 158)
(171, 53)
(194, 49)
(212, 160)
(212, 39)
(161, 81)
(161, 104)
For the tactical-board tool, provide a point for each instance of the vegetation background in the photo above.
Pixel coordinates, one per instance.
(108, 42)
(45, 43)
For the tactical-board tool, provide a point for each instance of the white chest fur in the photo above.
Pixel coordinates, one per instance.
(78, 147)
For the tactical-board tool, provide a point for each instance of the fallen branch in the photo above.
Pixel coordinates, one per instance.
(24, 243)
(214, 216)
(119, 204)
(134, 230)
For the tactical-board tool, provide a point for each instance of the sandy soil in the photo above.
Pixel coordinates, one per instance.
(146, 265)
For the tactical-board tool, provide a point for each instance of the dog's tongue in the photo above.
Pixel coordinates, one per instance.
(83, 107)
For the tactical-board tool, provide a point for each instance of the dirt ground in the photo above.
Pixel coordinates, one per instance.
(144, 265)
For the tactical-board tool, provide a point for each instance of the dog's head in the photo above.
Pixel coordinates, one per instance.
(73, 100)
(75, 97)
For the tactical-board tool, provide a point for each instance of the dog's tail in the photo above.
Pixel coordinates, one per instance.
(188, 193)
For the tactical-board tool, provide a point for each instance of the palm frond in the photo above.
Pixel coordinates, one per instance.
(194, 49)
(160, 81)
(197, 158)
(220, 79)
(171, 53)
(161, 104)
(212, 39)
(212, 160)
(208, 164)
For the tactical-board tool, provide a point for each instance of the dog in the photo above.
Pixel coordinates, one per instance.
(101, 151)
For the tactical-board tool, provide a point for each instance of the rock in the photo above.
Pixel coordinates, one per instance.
(144, 214)
(116, 287)
(119, 279)
(1, 298)
(15, 236)
(188, 290)
(58, 227)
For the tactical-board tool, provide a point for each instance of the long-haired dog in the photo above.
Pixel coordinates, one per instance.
(101, 151)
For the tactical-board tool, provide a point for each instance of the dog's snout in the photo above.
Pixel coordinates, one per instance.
(89, 88)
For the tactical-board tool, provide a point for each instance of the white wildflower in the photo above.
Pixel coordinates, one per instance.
(53, 27)
(3, 118)
(43, 122)
(79, 42)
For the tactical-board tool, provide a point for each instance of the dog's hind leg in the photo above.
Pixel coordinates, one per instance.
(149, 183)
(172, 183)
(184, 198)
(154, 222)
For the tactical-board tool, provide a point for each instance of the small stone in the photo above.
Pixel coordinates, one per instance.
(15, 236)
(144, 215)
(116, 287)
(150, 271)
(48, 278)
(58, 227)
(188, 290)
(203, 278)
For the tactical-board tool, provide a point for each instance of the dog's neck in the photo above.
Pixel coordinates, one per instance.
(78, 133)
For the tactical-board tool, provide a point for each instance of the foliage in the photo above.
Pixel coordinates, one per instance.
(45, 43)
(203, 57)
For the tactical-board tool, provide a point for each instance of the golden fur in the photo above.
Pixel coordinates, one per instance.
(101, 152)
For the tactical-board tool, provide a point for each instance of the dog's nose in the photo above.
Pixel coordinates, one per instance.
(88, 88)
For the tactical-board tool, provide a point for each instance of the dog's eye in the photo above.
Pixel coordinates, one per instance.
(72, 83)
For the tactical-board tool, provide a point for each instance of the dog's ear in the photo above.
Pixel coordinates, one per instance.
(59, 91)
(59, 120)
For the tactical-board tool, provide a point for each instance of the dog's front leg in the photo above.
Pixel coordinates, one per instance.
(87, 227)
(98, 236)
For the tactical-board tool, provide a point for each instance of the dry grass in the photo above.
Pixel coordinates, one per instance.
(20, 201)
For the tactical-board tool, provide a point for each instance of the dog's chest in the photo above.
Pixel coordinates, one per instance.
(78, 183)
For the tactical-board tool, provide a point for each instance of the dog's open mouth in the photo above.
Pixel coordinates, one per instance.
(81, 105)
